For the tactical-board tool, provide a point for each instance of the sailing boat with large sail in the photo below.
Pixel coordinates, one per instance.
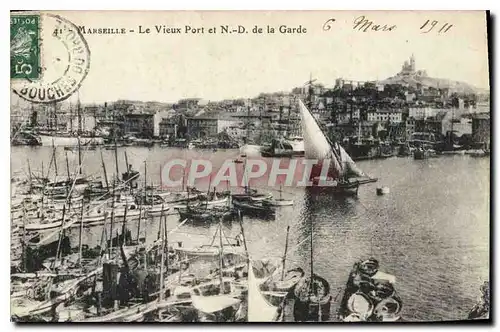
(342, 170)
(260, 309)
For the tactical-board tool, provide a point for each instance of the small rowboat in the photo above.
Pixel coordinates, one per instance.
(381, 304)
(156, 210)
(382, 191)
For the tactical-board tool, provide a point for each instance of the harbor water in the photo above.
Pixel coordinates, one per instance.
(431, 231)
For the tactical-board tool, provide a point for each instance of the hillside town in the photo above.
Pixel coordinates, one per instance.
(391, 111)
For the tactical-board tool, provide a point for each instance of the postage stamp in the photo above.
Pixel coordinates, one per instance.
(49, 57)
(24, 46)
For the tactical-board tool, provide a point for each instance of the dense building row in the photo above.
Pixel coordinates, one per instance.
(398, 107)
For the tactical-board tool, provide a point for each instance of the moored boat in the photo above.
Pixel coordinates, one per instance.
(256, 209)
(232, 250)
(206, 215)
(251, 194)
(212, 199)
(284, 149)
(370, 295)
(340, 166)
(312, 299)
(60, 139)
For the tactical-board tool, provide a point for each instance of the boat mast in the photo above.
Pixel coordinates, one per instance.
(128, 170)
(359, 132)
(104, 236)
(260, 119)
(79, 133)
(240, 219)
(69, 179)
(145, 182)
(80, 238)
(139, 222)
(54, 156)
(221, 292)
(50, 165)
(183, 179)
(162, 260)
(166, 242)
(115, 146)
(288, 130)
(94, 115)
(61, 235)
(112, 220)
(451, 131)
(209, 184)
(105, 173)
(208, 192)
(30, 176)
(67, 166)
(126, 160)
(284, 254)
(248, 122)
(55, 116)
(123, 227)
(23, 248)
(351, 103)
(280, 121)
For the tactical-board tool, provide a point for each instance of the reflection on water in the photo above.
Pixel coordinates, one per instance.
(431, 231)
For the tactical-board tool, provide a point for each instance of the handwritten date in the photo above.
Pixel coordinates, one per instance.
(430, 25)
(363, 24)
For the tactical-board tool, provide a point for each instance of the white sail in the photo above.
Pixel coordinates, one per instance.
(258, 308)
(349, 164)
(318, 147)
(213, 303)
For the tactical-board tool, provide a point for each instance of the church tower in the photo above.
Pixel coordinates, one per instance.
(412, 63)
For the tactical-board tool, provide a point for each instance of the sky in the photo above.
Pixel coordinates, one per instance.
(168, 67)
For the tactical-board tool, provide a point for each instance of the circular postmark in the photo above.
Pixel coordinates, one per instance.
(64, 62)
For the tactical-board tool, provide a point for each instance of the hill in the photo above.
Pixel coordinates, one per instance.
(436, 83)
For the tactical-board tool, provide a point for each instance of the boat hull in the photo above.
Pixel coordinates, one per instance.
(309, 311)
(206, 216)
(88, 221)
(68, 140)
(284, 202)
(255, 210)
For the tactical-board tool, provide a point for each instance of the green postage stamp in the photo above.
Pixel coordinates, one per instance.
(24, 46)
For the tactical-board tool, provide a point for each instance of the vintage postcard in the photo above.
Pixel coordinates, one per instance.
(250, 166)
